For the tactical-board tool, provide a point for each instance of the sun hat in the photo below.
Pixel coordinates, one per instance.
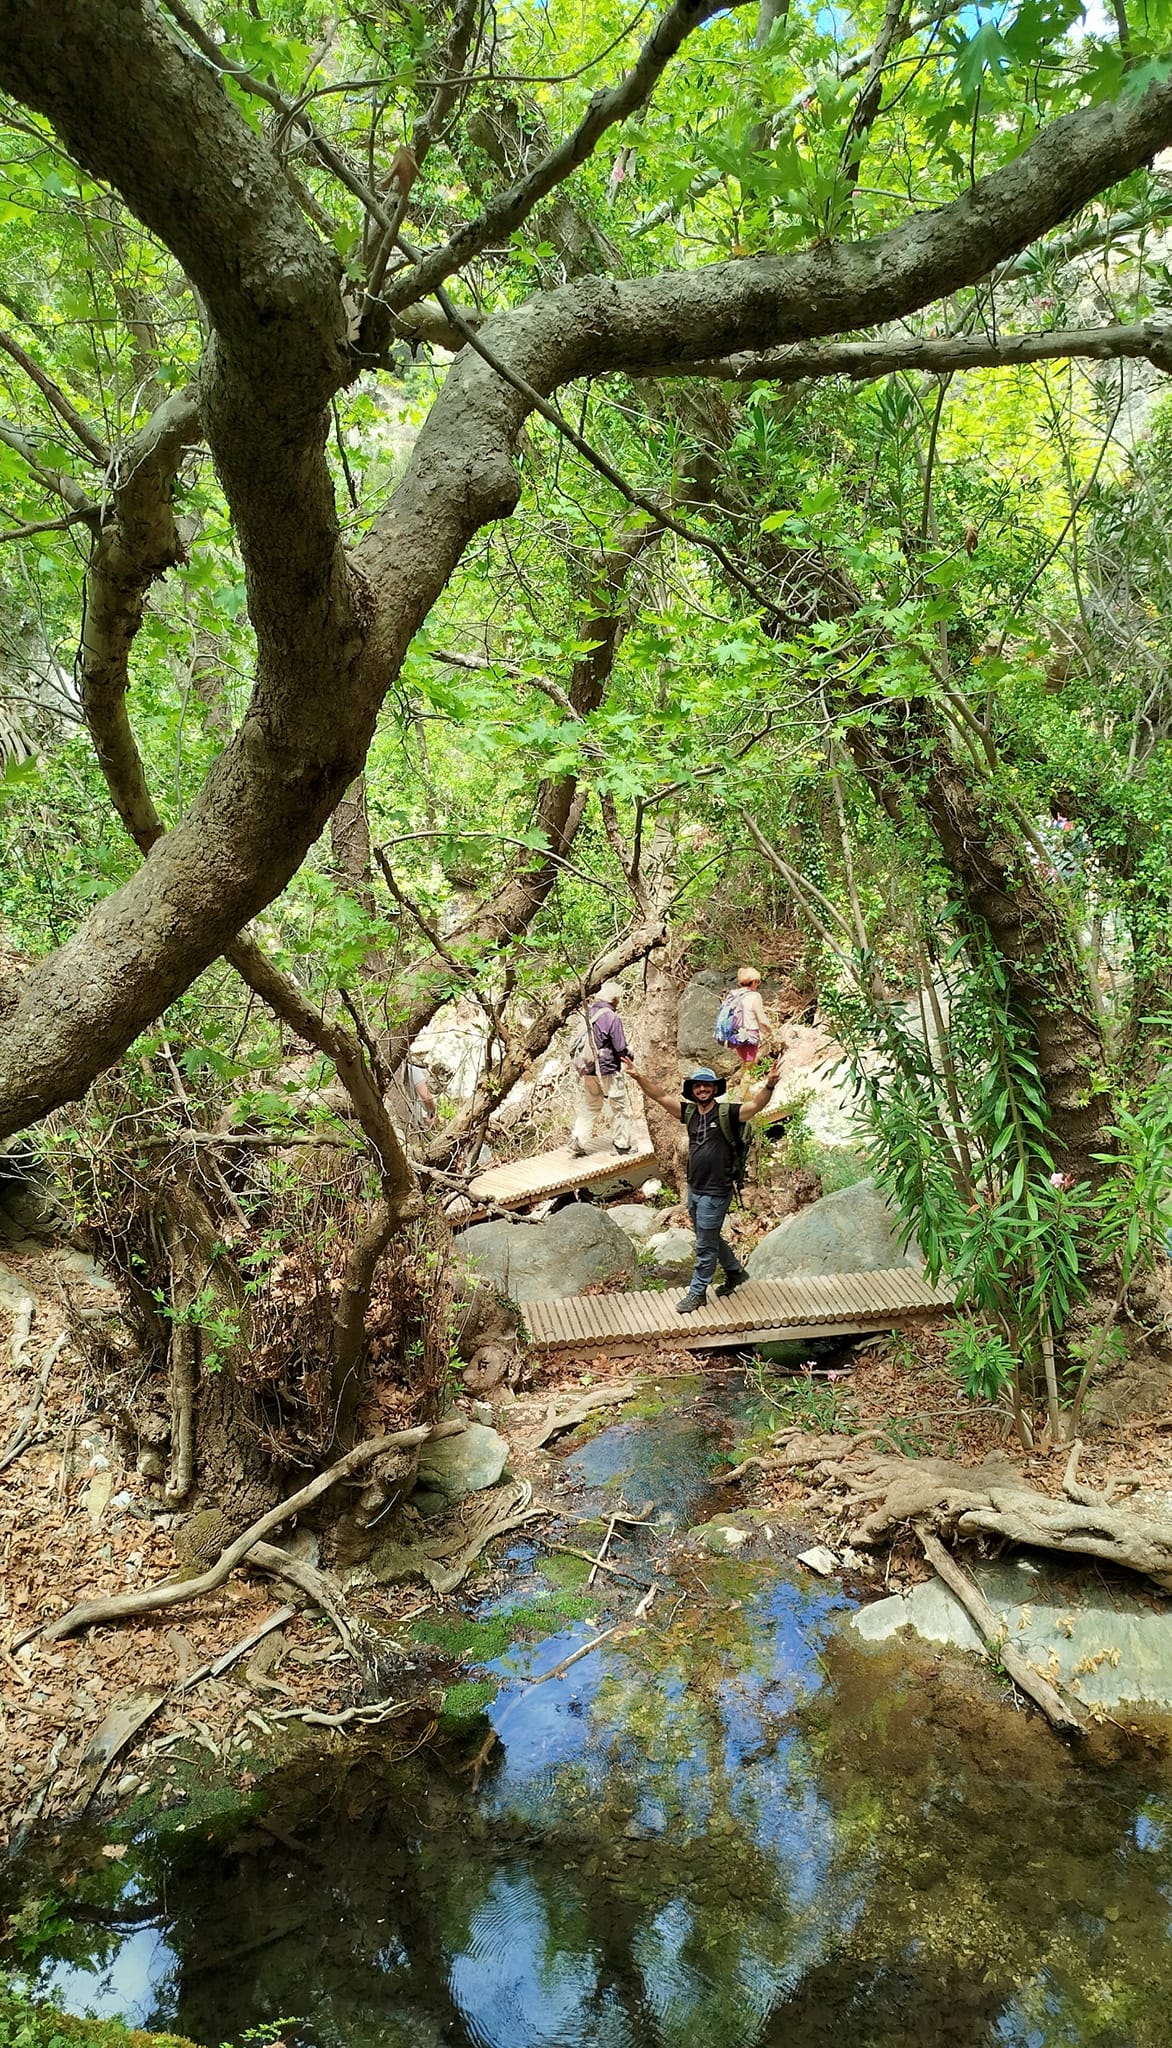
(702, 1074)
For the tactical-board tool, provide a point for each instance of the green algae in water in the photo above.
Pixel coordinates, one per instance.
(479, 1639)
(465, 1704)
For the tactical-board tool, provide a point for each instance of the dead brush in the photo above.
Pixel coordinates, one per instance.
(414, 1312)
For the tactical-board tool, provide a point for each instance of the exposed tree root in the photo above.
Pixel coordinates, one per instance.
(1058, 1712)
(557, 1420)
(959, 1502)
(444, 1555)
(174, 1592)
(325, 1594)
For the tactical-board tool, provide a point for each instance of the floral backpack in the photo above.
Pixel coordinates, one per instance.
(729, 1028)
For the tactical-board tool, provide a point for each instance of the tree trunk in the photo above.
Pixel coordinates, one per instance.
(1006, 896)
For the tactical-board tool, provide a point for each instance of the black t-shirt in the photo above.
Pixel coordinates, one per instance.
(710, 1156)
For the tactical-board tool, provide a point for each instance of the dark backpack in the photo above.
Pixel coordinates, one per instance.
(737, 1135)
(592, 1034)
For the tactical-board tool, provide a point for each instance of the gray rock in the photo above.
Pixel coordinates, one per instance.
(674, 1251)
(547, 1261)
(428, 1502)
(456, 1465)
(700, 999)
(635, 1218)
(1100, 1645)
(853, 1231)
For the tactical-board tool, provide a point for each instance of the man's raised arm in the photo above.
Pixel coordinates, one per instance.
(755, 1102)
(664, 1096)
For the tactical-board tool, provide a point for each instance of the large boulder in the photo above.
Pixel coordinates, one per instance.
(814, 1072)
(674, 1252)
(547, 1261)
(456, 1465)
(637, 1219)
(853, 1231)
(1109, 1646)
(700, 999)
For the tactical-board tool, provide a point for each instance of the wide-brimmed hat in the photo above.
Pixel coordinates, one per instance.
(610, 992)
(702, 1074)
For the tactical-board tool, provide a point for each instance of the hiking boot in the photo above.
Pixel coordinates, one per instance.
(692, 1301)
(576, 1149)
(732, 1281)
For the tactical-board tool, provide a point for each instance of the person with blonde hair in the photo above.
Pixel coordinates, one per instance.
(597, 1062)
(742, 1020)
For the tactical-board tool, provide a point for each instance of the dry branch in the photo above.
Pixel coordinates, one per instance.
(980, 1613)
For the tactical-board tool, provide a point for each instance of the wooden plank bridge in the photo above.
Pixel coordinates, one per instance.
(841, 1304)
(525, 1181)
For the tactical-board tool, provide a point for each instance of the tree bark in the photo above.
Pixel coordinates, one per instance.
(136, 108)
(909, 760)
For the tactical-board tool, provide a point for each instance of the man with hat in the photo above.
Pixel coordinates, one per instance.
(712, 1162)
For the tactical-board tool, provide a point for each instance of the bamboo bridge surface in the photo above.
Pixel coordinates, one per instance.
(524, 1181)
(839, 1304)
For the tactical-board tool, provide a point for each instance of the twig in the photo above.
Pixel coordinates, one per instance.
(633, 1521)
(572, 1550)
(584, 1649)
(368, 1716)
(605, 1546)
(23, 1437)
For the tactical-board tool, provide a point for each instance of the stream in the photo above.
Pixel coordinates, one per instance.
(733, 1825)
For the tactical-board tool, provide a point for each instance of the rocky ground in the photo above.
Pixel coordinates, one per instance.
(75, 1519)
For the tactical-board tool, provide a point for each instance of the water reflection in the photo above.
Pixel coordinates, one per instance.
(732, 1827)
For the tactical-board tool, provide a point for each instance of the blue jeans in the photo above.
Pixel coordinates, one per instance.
(707, 1214)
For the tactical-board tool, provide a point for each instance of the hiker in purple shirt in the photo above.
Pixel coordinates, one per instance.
(598, 1064)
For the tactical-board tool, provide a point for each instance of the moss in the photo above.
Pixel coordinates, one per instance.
(26, 2023)
(650, 1403)
(482, 1641)
(189, 1802)
(466, 1702)
(570, 1573)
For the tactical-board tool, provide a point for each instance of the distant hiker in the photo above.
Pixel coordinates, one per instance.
(422, 1093)
(597, 1058)
(716, 1149)
(742, 1020)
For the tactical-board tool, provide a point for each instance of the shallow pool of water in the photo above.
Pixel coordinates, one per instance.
(729, 1825)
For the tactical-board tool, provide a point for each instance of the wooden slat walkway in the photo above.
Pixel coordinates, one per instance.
(548, 1173)
(843, 1304)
